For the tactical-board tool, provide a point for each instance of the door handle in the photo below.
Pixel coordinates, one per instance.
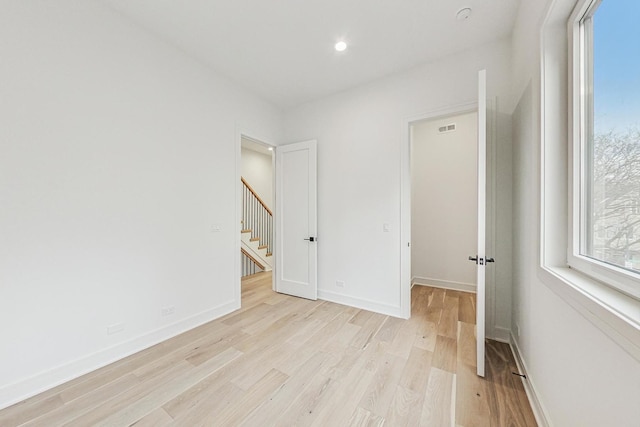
(480, 260)
(312, 239)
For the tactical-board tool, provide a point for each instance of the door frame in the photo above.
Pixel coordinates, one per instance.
(405, 204)
(405, 195)
(248, 134)
(405, 208)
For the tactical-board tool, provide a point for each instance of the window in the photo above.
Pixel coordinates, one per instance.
(606, 211)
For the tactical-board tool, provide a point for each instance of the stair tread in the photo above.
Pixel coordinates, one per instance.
(263, 247)
(269, 254)
(246, 230)
(254, 239)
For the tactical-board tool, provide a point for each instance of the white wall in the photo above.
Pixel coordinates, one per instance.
(444, 193)
(257, 170)
(117, 154)
(359, 135)
(581, 376)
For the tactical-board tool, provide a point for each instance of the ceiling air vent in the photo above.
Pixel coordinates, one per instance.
(447, 128)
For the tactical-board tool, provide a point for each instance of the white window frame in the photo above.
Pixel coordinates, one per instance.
(615, 313)
(580, 45)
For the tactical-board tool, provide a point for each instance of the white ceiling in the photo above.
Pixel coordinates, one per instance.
(283, 49)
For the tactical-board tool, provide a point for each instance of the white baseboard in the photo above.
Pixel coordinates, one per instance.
(360, 303)
(444, 284)
(536, 405)
(501, 335)
(17, 392)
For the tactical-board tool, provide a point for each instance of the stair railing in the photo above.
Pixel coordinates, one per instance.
(249, 266)
(256, 216)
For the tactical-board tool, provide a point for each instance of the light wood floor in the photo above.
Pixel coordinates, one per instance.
(282, 360)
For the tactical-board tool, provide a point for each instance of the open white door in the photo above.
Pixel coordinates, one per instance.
(481, 258)
(296, 220)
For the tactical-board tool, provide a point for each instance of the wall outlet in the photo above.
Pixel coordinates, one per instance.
(517, 330)
(168, 311)
(115, 328)
(216, 228)
(339, 283)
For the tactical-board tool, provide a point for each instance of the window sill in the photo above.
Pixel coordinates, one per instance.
(616, 314)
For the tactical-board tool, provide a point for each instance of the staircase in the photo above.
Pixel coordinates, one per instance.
(255, 251)
(256, 233)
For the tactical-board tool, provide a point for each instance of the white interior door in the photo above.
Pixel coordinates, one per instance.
(480, 258)
(296, 220)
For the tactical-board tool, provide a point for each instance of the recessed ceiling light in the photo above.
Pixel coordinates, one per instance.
(463, 14)
(341, 46)
(270, 148)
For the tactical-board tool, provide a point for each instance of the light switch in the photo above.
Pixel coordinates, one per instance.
(386, 227)
(215, 228)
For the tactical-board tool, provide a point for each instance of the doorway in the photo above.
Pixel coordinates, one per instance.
(444, 212)
(256, 210)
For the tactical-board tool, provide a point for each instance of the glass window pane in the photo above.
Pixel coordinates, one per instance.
(612, 134)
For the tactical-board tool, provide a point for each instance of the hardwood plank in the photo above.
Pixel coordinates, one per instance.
(471, 403)
(436, 298)
(404, 340)
(208, 388)
(86, 402)
(369, 328)
(416, 371)
(438, 406)
(302, 410)
(364, 418)
(445, 354)
(157, 418)
(314, 343)
(448, 325)
(467, 307)
(271, 410)
(24, 411)
(426, 335)
(380, 393)
(216, 400)
(167, 391)
(467, 343)
(404, 408)
(346, 400)
(122, 400)
(389, 329)
(507, 398)
(236, 411)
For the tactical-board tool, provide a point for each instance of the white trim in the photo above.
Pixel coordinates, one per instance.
(501, 334)
(444, 284)
(537, 407)
(612, 275)
(361, 303)
(242, 132)
(614, 313)
(17, 392)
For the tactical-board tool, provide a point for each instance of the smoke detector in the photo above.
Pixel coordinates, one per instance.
(463, 14)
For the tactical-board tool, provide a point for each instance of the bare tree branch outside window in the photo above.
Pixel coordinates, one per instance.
(614, 223)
